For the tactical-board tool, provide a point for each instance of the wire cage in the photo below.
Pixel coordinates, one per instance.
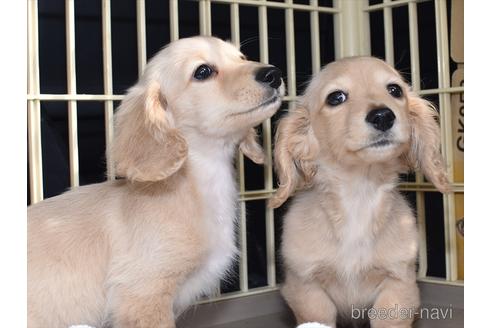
(353, 33)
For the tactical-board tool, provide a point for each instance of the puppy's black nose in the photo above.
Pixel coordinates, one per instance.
(381, 118)
(269, 75)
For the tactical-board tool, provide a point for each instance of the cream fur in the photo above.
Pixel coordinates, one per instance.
(136, 252)
(350, 238)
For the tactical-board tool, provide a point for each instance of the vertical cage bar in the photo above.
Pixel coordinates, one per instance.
(415, 72)
(414, 45)
(364, 28)
(315, 52)
(173, 20)
(141, 36)
(235, 28)
(337, 29)
(34, 108)
(446, 137)
(205, 17)
(243, 242)
(243, 238)
(108, 83)
(290, 49)
(72, 90)
(351, 28)
(388, 34)
(267, 146)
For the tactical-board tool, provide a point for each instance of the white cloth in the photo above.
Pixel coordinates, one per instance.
(312, 325)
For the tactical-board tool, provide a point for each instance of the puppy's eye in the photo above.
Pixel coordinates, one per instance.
(395, 90)
(336, 98)
(203, 72)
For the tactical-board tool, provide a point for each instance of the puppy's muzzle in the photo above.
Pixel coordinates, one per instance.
(269, 76)
(381, 119)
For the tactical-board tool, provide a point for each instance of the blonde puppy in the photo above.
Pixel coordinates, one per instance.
(136, 251)
(350, 239)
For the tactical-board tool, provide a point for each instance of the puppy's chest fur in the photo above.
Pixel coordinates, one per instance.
(347, 264)
(214, 175)
(355, 221)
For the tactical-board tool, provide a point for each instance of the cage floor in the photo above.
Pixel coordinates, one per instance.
(269, 310)
(285, 320)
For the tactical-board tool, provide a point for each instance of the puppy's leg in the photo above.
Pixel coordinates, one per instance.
(143, 305)
(308, 301)
(396, 304)
(152, 311)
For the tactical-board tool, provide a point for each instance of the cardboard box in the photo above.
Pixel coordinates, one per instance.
(458, 114)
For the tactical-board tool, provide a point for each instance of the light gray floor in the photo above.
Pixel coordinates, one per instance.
(285, 320)
(268, 310)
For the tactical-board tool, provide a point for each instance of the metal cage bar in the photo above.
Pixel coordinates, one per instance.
(441, 90)
(267, 146)
(72, 89)
(243, 240)
(173, 20)
(315, 49)
(108, 83)
(34, 107)
(77, 97)
(205, 17)
(352, 29)
(279, 5)
(141, 36)
(409, 186)
(290, 52)
(388, 34)
(88, 97)
(391, 4)
(415, 73)
(446, 136)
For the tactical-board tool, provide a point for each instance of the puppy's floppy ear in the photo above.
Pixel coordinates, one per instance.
(424, 152)
(147, 146)
(296, 148)
(251, 148)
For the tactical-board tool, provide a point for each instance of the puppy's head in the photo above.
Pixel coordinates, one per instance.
(201, 88)
(357, 112)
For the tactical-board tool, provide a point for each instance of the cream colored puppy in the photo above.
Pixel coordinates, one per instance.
(350, 238)
(135, 252)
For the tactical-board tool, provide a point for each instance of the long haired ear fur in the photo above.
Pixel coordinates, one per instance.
(296, 148)
(147, 146)
(251, 148)
(424, 153)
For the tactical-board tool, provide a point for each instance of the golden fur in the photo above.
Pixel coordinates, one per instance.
(136, 251)
(350, 238)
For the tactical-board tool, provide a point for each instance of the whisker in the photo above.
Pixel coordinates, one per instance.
(248, 40)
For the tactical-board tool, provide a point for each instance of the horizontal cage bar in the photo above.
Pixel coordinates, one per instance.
(392, 4)
(101, 97)
(280, 5)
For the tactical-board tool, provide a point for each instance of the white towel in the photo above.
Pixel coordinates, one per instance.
(312, 325)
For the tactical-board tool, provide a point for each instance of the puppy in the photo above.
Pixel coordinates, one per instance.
(136, 251)
(350, 238)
